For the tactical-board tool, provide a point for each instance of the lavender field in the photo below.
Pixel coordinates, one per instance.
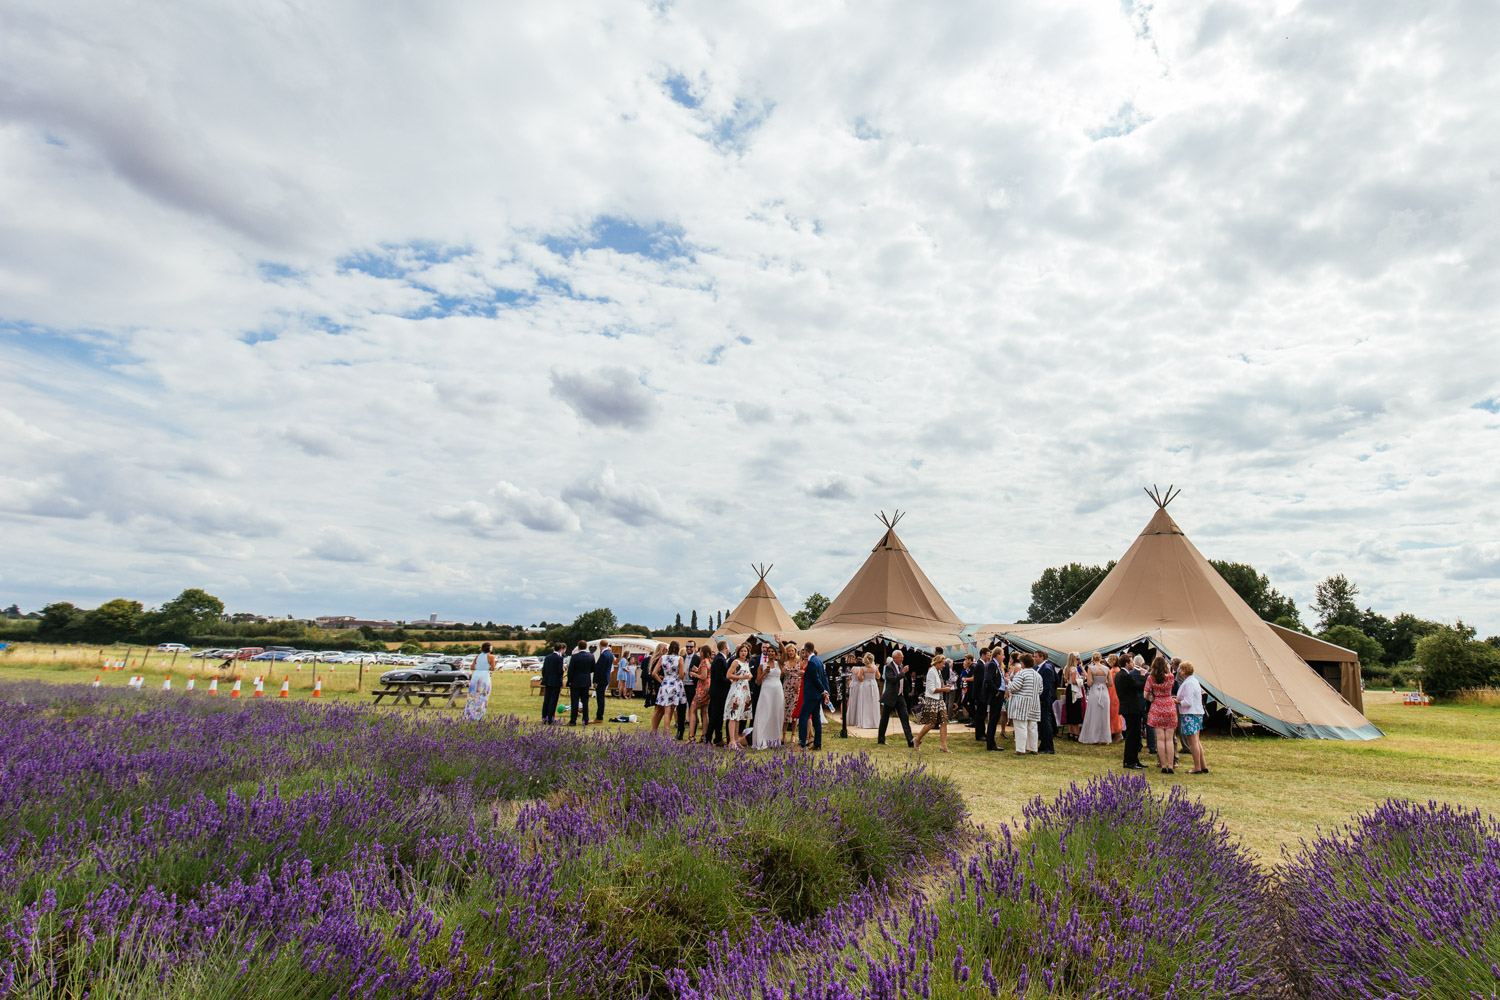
(162, 846)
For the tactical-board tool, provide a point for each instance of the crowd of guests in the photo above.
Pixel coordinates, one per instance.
(755, 695)
(750, 696)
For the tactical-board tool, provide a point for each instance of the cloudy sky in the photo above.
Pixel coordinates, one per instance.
(507, 311)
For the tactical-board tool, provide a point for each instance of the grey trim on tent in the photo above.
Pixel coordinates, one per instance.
(1292, 730)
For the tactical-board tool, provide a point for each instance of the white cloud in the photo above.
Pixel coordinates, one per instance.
(595, 296)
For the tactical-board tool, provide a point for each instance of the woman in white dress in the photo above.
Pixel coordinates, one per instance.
(737, 705)
(770, 708)
(1096, 719)
(864, 694)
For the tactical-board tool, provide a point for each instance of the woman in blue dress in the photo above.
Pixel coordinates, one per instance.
(478, 701)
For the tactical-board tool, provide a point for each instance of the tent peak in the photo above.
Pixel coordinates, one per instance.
(891, 520)
(1162, 499)
(762, 570)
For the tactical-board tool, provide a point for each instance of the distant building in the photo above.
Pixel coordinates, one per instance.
(344, 621)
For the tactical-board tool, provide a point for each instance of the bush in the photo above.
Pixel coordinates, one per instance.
(1451, 662)
(1403, 902)
(1371, 653)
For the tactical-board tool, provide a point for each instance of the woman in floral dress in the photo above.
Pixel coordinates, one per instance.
(478, 701)
(1162, 716)
(737, 705)
(791, 682)
(671, 696)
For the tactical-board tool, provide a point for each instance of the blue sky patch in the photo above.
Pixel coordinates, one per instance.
(680, 91)
(1125, 121)
(1491, 405)
(658, 241)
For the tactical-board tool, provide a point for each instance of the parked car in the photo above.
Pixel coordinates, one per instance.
(213, 652)
(244, 652)
(331, 656)
(432, 673)
(172, 647)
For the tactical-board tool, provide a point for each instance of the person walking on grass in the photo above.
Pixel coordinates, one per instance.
(1162, 715)
(1026, 702)
(891, 699)
(580, 681)
(1190, 713)
(478, 701)
(814, 697)
(553, 671)
(935, 704)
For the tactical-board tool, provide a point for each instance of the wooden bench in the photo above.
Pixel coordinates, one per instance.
(405, 692)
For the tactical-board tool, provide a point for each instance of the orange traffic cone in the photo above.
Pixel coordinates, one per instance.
(213, 685)
(286, 688)
(96, 680)
(166, 685)
(260, 688)
(235, 692)
(318, 688)
(189, 684)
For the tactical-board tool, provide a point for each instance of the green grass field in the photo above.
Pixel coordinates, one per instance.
(1271, 791)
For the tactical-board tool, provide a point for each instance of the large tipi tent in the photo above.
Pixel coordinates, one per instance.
(760, 613)
(1165, 592)
(890, 599)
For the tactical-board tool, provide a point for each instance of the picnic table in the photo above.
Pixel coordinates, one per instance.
(405, 691)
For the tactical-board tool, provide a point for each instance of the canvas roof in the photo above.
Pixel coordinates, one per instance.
(889, 598)
(1165, 591)
(759, 613)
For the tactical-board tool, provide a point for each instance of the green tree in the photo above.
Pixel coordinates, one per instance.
(1406, 631)
(1334, 603)
(1293, 623)
(59, 621)
(591, 625)
(677, 625)
(1371, 653)
(192, 612)
(694, 623)
(13, 612)
(113, 620)
(1451, 662)
(630, 628)
(1060, 591)
(812, 610)
(1255, 589)
(410, 648)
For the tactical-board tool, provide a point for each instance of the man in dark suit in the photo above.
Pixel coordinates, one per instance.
(1129, 684)
(979, 701)
(718, 690)
(690, 662)
(1048, 726)
(602, 666)
(552, 682)
(994, 696)
(891, 699)
(814, 695)
(580, 679)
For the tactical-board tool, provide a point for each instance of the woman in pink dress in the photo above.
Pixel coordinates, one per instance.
(1162, 716)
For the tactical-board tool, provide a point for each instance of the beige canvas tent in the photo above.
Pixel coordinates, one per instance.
(760, 613)
(890, 599)
(1164, 591)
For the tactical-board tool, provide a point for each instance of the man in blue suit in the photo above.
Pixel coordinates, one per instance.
(552, 682)
(1048, 725)
(580, 679)
(602, 667)
(814, 694)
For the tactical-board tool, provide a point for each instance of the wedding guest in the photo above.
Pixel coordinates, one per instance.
(1096, 720)
(671, 696)
(603, 667)
(699, 705)
(1116, 721)
(791, 681)
(1128, 683)
(580, 680)
(718, 691)
(1075, 691)
(1026, 705)
(771, 709)
(1190, 712)
(934, 704)
(552, 682)
(864, 700)
(814, 697)
(737, 702)
(1162, 715)
(891, 699)
(995, 684)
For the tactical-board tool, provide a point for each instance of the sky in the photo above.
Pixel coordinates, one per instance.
(509, 311)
